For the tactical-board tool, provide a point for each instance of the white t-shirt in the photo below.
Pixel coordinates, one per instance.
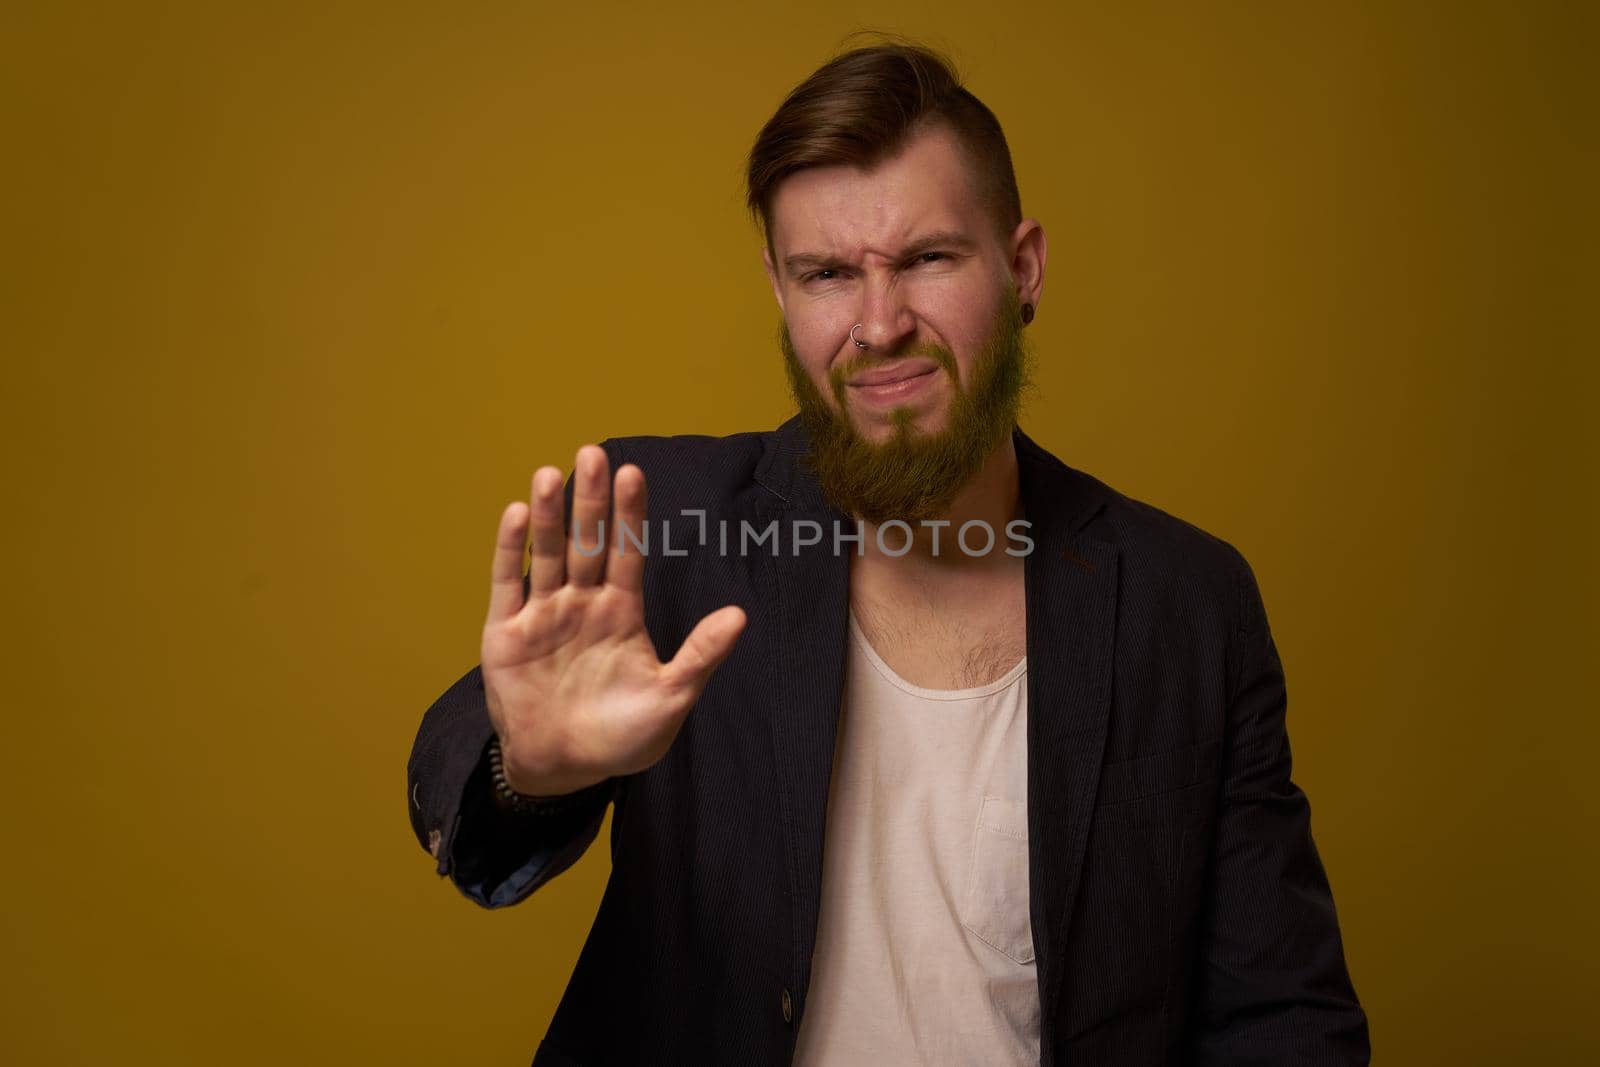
(924, 946)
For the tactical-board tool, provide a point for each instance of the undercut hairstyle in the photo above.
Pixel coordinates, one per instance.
(862, 107)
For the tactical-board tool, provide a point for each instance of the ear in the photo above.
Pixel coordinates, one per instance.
(1028, 253)
(772, 276)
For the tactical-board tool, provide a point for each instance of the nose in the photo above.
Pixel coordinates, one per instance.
(885, 321)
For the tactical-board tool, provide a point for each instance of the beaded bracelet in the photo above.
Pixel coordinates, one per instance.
(510, 798)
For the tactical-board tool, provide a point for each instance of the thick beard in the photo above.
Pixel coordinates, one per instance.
(912, 475)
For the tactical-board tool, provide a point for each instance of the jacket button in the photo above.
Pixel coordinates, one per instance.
(788, 1008)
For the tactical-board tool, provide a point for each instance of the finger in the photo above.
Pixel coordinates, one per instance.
(505, 581)
(625, 564)
(707, 645)
(591, 497)
(547, 565)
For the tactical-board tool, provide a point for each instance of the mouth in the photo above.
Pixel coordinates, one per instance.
(900, 372)
(884, 385)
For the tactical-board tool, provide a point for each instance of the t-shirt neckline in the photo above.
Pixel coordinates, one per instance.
(1005, 681)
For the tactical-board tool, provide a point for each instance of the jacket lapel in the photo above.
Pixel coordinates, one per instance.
(809, 593)
(1070, 583)
(1071, 596)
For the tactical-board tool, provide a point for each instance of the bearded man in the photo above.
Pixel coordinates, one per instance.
(905, 793)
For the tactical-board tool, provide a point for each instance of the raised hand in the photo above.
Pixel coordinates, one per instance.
(574, 688)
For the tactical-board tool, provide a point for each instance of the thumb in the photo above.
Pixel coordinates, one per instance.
(707, 645)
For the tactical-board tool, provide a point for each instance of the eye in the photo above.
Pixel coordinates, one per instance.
(824, 275)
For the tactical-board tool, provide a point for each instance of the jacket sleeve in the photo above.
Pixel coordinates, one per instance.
(493, 856)
(1271, 986)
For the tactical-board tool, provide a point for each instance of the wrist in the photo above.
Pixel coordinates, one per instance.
(549, 798)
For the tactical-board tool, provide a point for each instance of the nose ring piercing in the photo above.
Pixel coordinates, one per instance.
(853, 329)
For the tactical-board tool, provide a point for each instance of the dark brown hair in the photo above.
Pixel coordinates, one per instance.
(863, 106)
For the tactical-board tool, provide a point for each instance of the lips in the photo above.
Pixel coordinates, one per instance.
(898, 373)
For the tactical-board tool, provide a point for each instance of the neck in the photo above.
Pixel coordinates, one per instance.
(992, 498)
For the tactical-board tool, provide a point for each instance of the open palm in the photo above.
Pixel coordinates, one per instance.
(573, 684)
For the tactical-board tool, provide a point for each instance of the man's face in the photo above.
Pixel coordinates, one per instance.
(910, 252)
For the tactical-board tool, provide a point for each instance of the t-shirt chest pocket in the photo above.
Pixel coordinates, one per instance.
(995, 904)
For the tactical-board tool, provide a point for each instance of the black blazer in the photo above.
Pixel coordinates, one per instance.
(1180, 912)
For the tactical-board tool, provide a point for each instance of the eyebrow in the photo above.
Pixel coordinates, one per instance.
(927, 242)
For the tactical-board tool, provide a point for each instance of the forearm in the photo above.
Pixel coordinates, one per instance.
(494, 856)
(501, 855)
(1272, 985)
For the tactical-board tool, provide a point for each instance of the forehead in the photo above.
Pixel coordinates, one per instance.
(847, 210)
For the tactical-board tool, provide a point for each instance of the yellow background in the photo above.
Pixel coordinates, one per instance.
(297, 299)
